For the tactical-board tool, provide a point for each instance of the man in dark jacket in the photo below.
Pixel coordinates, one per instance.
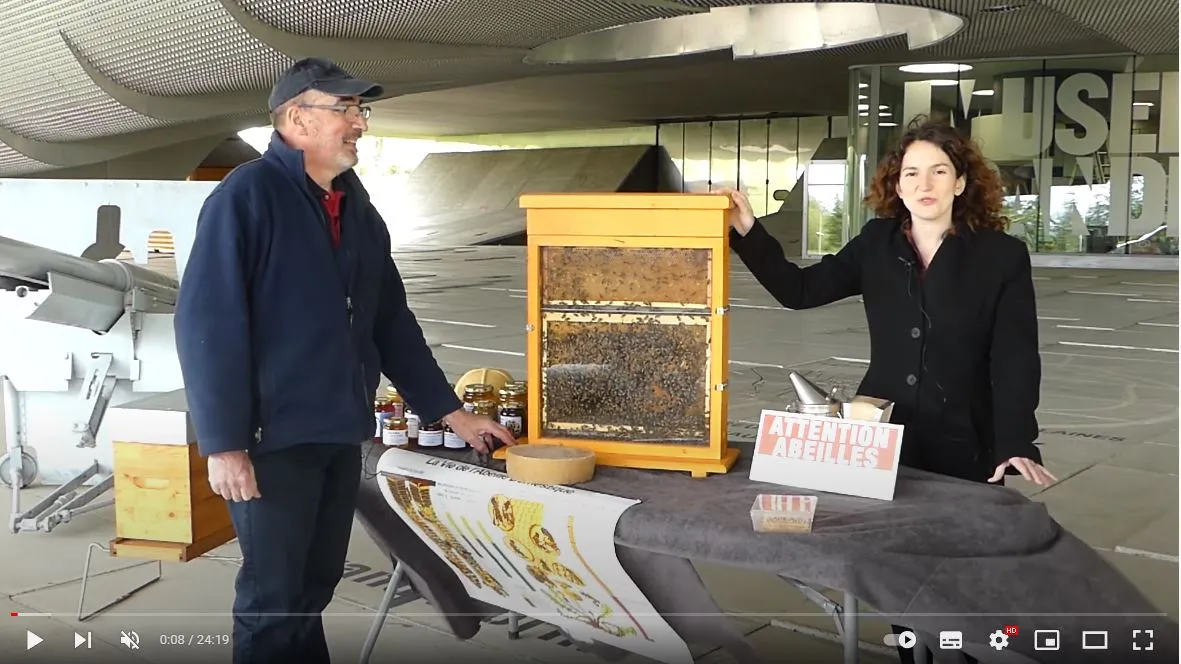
(290, 309)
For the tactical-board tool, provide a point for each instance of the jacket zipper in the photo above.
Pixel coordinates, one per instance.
(359, 381)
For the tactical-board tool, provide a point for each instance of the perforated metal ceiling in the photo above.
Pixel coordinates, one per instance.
(90, 80)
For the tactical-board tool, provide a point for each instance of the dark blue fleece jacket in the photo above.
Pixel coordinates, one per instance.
(282, 337)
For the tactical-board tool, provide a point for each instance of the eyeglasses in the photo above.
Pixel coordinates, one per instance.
(350, 111)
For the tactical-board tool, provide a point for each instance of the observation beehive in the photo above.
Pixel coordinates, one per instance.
(628, 298)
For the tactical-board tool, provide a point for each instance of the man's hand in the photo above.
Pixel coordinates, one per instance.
(1029, 469)
(231, 476)
(476, 430)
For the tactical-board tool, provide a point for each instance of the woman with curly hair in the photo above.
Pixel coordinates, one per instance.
(950, 303)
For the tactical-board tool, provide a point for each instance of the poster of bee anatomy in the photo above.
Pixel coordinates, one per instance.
(547, 552)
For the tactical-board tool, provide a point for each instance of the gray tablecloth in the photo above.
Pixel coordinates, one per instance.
(945, 554)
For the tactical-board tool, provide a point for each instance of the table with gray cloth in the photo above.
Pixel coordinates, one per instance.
(945, 554)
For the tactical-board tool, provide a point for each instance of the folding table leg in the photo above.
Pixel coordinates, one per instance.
(849, 628)
(514, 625)
(383, 610)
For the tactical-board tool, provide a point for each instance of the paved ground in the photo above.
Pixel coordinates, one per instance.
(1109, 418)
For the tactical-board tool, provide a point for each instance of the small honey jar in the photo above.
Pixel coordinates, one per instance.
(486, 407)
(474, 393)
(451, 440)
(381, 411)
(397, 405)
(395, 433)
(511, 415)
(430, 434)
(412, 424)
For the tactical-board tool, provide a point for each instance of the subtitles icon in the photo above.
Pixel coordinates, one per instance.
(1047, 639)
(129, 639)
(951, 640)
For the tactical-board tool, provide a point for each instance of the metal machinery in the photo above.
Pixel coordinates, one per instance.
(78, 335)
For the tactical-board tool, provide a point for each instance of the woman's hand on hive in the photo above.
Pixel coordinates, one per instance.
(1029, 469)
(477, 430)
(742, 215)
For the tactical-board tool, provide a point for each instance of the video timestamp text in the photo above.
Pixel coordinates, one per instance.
(194, 639)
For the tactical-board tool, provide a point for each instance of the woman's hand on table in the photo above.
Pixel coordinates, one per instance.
(1029, 469)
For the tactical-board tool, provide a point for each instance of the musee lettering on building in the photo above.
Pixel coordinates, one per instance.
(1030, 124)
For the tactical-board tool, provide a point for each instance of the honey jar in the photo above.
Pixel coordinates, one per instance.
(517, 392)
(394, 434)
(397, 405)
(451, 440)
(430, 434)
(486, 407)
(412, 423)
(474, 393)
(381, 411)
(511, 415)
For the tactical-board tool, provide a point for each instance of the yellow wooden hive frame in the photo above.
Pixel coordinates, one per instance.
(689, 221)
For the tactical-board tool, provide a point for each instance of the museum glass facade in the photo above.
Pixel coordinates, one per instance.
(1086, 147)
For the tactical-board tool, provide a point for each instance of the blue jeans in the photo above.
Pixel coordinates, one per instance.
(294, 541)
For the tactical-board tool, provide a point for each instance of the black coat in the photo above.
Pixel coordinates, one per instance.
(955, 348)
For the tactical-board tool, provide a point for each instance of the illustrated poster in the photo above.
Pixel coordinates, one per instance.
(547, 552)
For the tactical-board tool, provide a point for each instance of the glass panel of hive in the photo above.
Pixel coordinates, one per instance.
(630, 378)
(625, 276)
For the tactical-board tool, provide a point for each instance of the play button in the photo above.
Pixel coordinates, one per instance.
(31, 640)
(907, 640)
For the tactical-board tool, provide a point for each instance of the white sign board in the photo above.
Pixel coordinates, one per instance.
(851, 457)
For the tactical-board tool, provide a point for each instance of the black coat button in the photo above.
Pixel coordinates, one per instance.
(915, 333)
(911, 379)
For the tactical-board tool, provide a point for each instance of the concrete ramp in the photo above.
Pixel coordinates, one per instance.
(471, 198)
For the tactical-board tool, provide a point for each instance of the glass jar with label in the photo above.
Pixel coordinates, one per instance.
(451, 440)
(394, 434)
(412, 423)
(518, 393)
(511, 416)
(430, 434)
(486, 407)
(381, 411)
(397, 405)
(476, 392)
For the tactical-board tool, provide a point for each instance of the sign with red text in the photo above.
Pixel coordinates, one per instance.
(851, 457)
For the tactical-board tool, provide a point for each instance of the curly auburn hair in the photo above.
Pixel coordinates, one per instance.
(981, 203)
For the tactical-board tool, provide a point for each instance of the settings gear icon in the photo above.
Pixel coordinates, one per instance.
(998, 640)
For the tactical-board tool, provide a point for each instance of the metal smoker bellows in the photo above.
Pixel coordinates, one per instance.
(811, 400)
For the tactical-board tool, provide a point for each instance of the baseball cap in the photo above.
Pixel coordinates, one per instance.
(319, 74)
